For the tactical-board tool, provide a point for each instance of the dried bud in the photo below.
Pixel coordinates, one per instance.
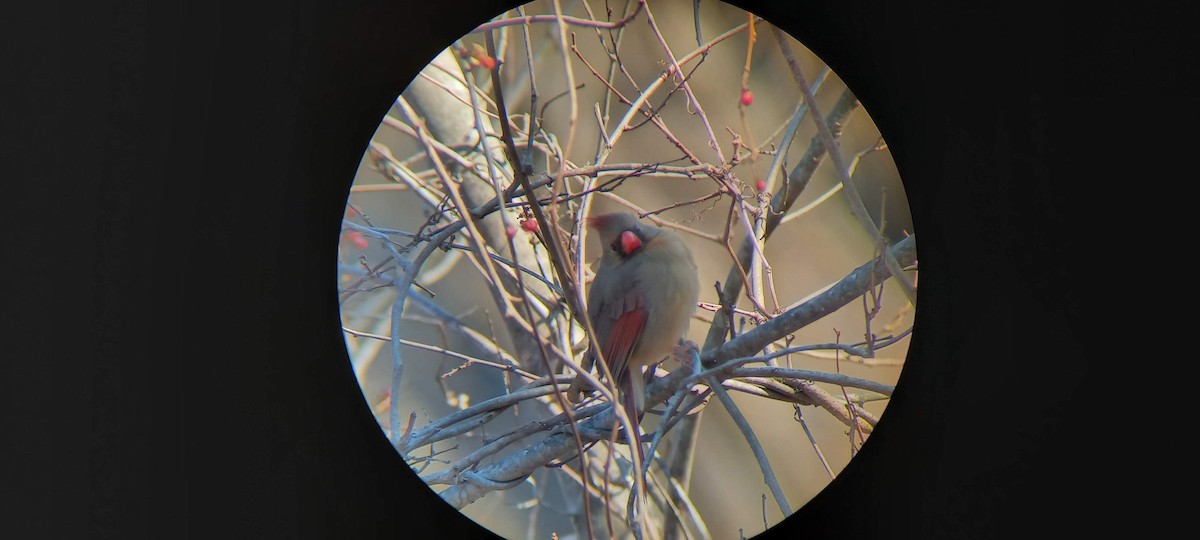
(478, 57)
(747, 97)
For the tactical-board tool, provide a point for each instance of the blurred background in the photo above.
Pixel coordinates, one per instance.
(812, 249)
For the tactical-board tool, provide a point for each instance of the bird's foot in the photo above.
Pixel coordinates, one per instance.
(686, 352)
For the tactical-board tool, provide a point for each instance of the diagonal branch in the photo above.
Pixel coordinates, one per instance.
(852, 196)
(562, 442)
(781, 202)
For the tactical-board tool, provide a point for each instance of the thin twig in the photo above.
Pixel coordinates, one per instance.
(431, 432)
(637, 103)
(752, 440)
(403, 285)
(687, 88)
(522, 174)
(813, 441)
(470, 360)
(783, 199)
(561, 20)
(596, 426)
(852, 195)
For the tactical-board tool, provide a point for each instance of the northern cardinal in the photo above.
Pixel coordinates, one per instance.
(641, 302)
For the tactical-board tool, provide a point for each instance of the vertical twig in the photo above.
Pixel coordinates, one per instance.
(852, 195)
(799, 416)
(636, 105)
(522, 173)
(403, 286)
(552, 232)
(756, 447)
(687, 88)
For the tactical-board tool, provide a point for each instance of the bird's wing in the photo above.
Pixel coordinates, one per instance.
(619, 326)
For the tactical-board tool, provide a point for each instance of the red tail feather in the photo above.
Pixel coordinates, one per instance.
(635, 438)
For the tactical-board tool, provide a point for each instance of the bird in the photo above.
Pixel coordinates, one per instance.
(640, 304)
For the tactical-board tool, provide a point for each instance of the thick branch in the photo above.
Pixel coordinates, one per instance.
(843, 171)
(781, 202)
(845, 291)
(562, 442)
(445, 109)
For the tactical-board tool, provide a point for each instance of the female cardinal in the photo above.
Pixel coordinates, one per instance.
(640, 303)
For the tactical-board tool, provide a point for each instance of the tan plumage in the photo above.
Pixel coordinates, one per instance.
(641, 301)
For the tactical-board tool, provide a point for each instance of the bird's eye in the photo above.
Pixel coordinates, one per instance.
(616, 246)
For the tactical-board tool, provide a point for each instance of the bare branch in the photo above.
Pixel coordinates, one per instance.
(844, 292)
(780, 203)
(843, 172)
(575, 21)
(755, 446)
(596, 427)
(687, 88)
(508, 193)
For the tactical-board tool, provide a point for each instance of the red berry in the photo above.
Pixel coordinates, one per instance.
(747, 97)
(760, 185)
(529, 225)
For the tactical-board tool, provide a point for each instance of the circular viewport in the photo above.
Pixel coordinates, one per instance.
(671, 207)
